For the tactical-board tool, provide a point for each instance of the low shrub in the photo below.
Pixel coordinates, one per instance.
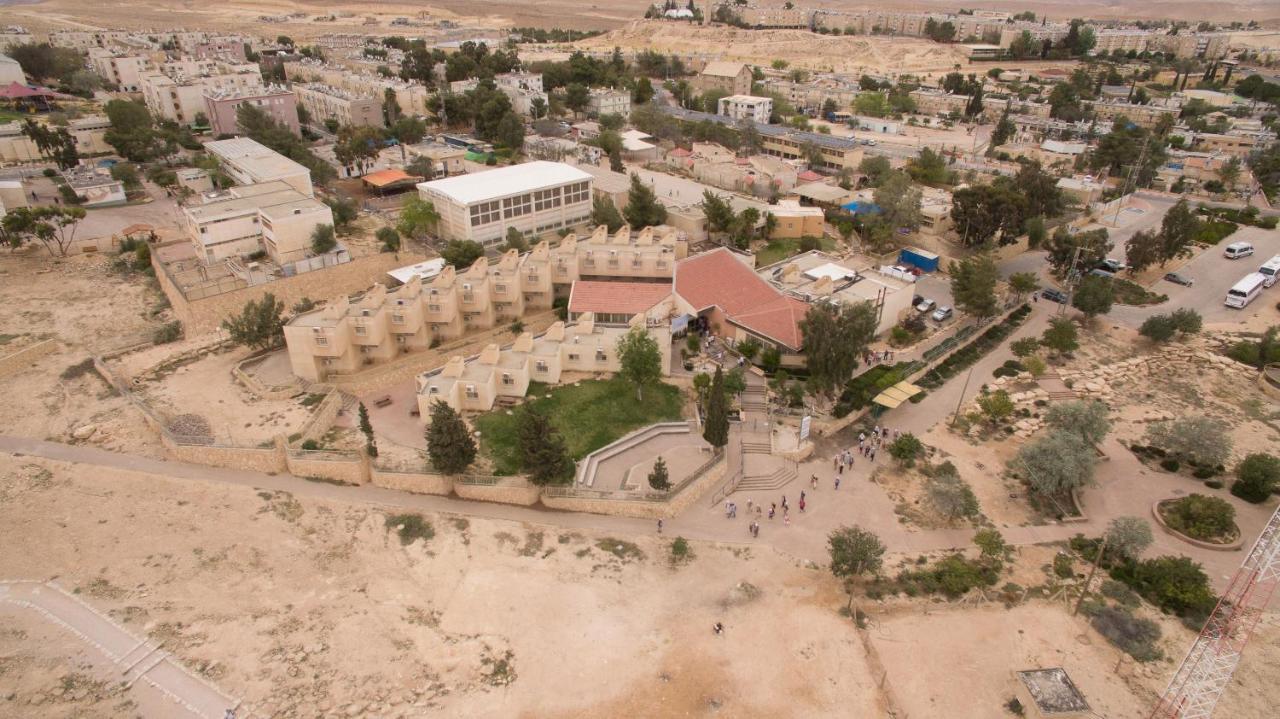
(410, 527)
(1063, 567)
(1200, 517)
(1214, 484)
(1120, 592)
(1174, 584)
(1203, 472)
(168, 332)
(1258, 476)
(311, 444)
(78, 369)
(1134, 636)
(1169, 464)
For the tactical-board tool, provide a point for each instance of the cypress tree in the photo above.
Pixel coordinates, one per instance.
(367, 428)
(659, 479)
(716, 427)
(544, 455)
(449, 444)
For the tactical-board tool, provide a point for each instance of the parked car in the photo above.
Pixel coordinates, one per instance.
(1178, 279)
(941, 314)
(1111, 265)
(1054, 295)
(1236, 250)
(925, 305)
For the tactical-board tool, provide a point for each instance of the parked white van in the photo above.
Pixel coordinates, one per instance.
(1236, 250)
(1245, 290)
(1271, 270)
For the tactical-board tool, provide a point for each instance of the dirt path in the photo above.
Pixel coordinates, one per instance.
(142, 663)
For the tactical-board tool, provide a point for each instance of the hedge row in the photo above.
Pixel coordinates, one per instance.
(962, 358)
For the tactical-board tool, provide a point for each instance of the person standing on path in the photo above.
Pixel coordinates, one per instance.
(837, 483)
(659, 526)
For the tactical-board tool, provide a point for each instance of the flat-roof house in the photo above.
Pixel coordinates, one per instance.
(250, 163)
(731, 77)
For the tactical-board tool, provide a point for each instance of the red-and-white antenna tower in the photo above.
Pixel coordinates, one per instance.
(1206, 671)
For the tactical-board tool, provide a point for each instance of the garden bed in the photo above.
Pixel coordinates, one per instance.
(1160, 460)
(1206, 522)
(589, 415)
(962, 358)
(1131, 293)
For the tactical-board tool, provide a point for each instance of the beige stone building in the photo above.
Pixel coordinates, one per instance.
(533, 197)
(347, 108)
(1142, 115)
(606, 101)
(249, 162)
(177, 91)
(487, 294)
(124, 70)
(277, 102)
(446, 160)
(731, 77)
(270, 216)
(586, 346)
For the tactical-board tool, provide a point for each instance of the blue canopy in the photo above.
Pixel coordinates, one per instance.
(859, 206)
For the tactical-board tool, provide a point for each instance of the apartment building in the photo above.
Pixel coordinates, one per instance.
(1120, 41)
(746, 107)
(411, 98)
(1142, 115)
(522, 88)
(1039, 33)
(937, 102)
(533, 197)
(838, 153)
(586, 346)
(86, 40)
(455, 302)
(251, 163)
(177, 90)
(220, 106)
(347, 108)
(1239, 145)
(606, 101)
(731, 77)
(125, 71)
(270, 216)
(811, 95)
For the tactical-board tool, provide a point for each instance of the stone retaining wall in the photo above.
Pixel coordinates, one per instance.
(323, 417)
(19, 360)
(522, 493)
(416, 482)
(345, 467)
(642, 509)
(250, 459)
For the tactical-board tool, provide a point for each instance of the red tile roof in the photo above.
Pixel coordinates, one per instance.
(719, 279)
(808, 176)
(616, 297)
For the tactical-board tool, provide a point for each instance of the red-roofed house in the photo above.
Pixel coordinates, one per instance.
(619, 302)
(738, 303)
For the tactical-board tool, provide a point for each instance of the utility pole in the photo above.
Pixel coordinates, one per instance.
(1084, 591)
(963, 390)
(1072, 279)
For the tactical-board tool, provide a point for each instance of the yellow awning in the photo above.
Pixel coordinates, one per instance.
(897, 394)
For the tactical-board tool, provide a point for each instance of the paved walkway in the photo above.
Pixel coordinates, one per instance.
(138, 660)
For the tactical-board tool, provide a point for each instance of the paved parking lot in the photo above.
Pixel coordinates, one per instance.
(1214, 275)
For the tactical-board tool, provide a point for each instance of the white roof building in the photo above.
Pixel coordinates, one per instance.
(250, 163)
(533, 197)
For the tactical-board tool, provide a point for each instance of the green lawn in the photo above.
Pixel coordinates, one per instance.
(779, 250)
(7, 115)
(588, 416)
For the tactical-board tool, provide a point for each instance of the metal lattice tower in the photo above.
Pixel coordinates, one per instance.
(1206, 671)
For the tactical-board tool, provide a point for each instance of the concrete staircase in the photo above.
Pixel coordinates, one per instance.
(752, 399)
(780, 478)
(756, 446)
(1058, 391)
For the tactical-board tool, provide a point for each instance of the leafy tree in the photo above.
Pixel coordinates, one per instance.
(462, 253)
(996, 405)
(510, 131)
(1178, 231)
(259, 324)
(1056, 464)
(876, 168)
(1202, 440)
(771, 359)
(1093, 247)
(950, 495)
(929, 168)
(1025, 347)
(1086, 418)
(642, 92)
(735, 382)
(659, 478)
(1158, 328)
(1130, 536)
(1044, 197)
(854, 552)
(322, 239)
(516, 241)
(543, 453)
(834, 337)
(389, 238)
(1144, 250)
(366, 428)
(643, 208)
(639, 359)
(576, 97)
(132, 131)
(1175, 584)
(973, 285)
(55, 227)
(1023, 283)
(992, 546)
(906, 448)
(1061, 336)
(1094, 296)
(718, 212)
(1036, 232)
(344, 210)
(1004, 131)
(450, 447)
(982, 211)
(716, 424)
(357, 147)
(55, 144)
(1257, 477)
(263, 128)
(604, 212)
(749, 348)
(1229, 173)
(899, 201)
